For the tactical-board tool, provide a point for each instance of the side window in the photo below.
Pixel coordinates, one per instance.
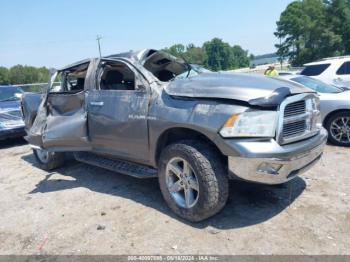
(117, 76)
(344, 69)
(57, 84)
(314, 70)
(71, 80)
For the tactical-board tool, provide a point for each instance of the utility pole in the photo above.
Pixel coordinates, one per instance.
(98, 38)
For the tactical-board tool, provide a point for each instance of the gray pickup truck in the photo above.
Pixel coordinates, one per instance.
(149, 114)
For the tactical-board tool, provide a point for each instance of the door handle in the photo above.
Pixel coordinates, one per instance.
(96, 103)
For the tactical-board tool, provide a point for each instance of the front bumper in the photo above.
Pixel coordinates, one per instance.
(12, 133)
(268, 162)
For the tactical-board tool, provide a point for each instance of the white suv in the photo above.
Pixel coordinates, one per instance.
(335, 71)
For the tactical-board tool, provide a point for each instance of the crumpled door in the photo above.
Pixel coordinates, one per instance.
(66, 122)
(61, 122)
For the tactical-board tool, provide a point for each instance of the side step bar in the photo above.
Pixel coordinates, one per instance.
(119, 166)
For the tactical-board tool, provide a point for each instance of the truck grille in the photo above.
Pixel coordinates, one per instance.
(295, 108)
(299, 115)
(294, 129)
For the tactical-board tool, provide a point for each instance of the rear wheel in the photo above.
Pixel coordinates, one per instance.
(338, 127)
(48, 160)
(193, 180)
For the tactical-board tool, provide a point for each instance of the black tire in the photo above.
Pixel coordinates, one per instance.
(328, 124)
(211, 174)
(54, 160)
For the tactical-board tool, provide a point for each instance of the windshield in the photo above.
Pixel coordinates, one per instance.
(194, 70)
(316, 85)
(10, 93)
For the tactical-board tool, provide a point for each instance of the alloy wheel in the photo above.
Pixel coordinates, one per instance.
(182, 182)
(43, 155)
(340, 129)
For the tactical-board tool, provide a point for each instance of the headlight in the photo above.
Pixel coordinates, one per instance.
(316, 111)
(251, 124)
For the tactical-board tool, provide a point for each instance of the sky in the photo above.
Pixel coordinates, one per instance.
(54, 33)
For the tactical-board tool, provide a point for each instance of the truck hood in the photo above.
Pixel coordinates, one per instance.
(9, 105)
(243, 87)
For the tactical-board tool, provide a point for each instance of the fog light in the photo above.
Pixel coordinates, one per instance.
(268, 168)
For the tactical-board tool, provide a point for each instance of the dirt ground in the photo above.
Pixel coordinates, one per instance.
(80, 209)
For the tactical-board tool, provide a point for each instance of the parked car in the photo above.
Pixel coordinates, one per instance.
(149, 114)
(283, 73)
(334, 71)
(335, 108)
(11, 123)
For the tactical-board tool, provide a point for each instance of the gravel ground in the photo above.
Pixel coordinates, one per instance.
(80, 209)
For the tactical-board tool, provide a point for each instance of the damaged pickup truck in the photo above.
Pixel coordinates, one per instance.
(149, 114)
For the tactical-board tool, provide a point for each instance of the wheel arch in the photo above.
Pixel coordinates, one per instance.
(175, 134)
(330, 114)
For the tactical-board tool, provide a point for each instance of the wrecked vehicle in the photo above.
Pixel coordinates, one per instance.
(149, 114)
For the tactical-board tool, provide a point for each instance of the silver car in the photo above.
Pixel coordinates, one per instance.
(335, 107)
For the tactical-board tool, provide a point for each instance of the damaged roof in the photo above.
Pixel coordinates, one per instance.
(134, 55)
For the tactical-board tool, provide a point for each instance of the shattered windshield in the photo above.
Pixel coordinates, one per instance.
(167, 68)
(193, 70)
(10, 93)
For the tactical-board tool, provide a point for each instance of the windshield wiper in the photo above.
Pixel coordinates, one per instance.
(189, 67)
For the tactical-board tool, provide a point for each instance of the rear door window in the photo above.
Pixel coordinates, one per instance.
(344, 69)
(314, 70)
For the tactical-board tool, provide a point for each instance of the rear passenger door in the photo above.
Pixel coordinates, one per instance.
(118, 110)
(66, 117)
(343, 75)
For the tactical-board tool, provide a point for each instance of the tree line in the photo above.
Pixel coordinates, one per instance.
(313, 29)
(20, 74)
(307, 30)
(215, 54)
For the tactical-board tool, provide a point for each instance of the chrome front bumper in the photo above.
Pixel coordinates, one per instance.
(270, 163)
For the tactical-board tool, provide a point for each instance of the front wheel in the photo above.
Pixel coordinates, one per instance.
(338, 127)
(193, 180)
(48, 160)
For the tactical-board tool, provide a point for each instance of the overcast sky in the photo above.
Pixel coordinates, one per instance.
(57, 32)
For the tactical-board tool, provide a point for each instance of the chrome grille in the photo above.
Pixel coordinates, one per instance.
(295, 108)
(294, 129)
(298, 118)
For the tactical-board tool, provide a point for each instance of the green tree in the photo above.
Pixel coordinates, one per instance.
(215, 55)
(219, 55)
(312, 29)
(17, 75)
(43, 75)
(177, 50)
(338, 12)
(241, 57)
(20, 74)
(194, 55)
(4, 76)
